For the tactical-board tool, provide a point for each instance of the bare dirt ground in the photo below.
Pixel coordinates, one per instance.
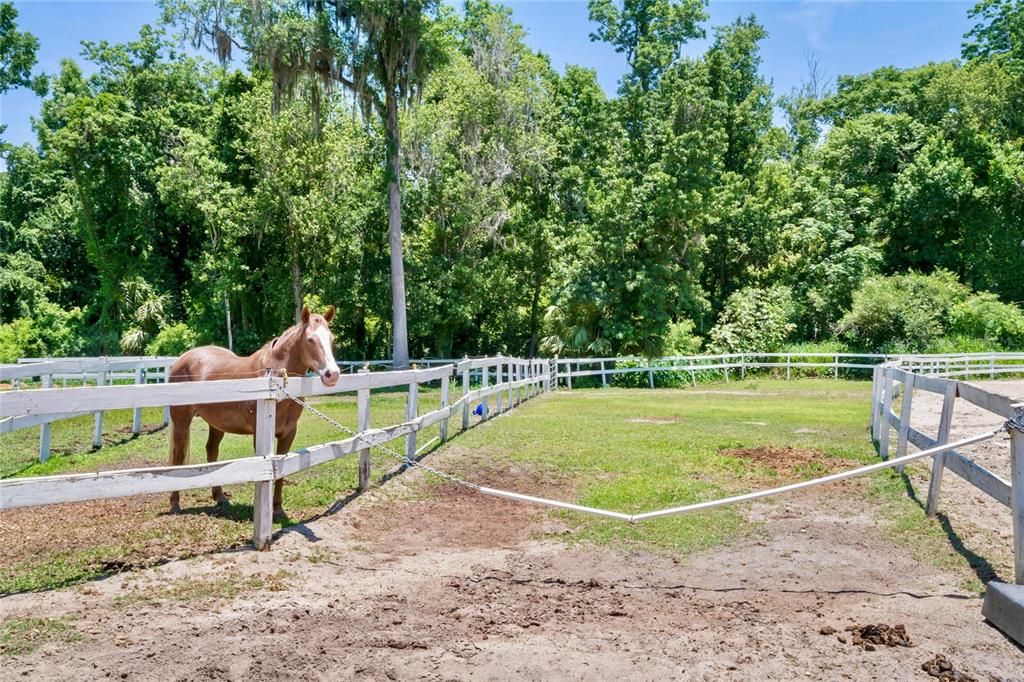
(461, 586)
(974, 517)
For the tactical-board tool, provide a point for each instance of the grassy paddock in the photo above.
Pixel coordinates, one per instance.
(621, 449)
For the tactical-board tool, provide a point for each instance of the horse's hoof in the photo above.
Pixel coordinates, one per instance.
(280, 515)
(221, 504)
(175, 509)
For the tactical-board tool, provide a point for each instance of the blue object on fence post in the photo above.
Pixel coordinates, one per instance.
(481, 410)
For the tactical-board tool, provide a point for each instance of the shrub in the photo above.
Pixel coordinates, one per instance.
(754, 321)
(681, 339)
(984, 317)
(51, 332)
(906, 312)
(173, 339)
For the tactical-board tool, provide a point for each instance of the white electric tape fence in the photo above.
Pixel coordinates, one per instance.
(1017, 423)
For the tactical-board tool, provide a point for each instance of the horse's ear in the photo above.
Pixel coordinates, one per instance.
(329, 315)
(305, 315)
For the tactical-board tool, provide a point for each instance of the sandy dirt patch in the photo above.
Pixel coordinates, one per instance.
(465, 587)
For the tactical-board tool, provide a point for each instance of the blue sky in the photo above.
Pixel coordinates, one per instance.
(847, 36)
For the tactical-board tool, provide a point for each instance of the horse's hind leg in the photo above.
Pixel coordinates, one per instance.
(220, 498)
(181, 422)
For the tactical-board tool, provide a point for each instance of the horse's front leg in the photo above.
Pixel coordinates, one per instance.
(284, 444)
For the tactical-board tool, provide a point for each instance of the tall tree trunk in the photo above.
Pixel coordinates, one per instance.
(227, 317)
(400, 335)
(534, 310)
(297, 286)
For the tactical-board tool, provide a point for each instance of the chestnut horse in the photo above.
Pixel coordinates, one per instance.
(302, 347)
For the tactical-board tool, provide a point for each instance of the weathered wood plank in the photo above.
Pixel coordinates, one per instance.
(938, 461)
(905, 415)
(26, 492)
(986, 400)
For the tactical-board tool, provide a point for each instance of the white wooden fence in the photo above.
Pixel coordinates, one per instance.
(739, 364)
(514, 380)
(897, 380)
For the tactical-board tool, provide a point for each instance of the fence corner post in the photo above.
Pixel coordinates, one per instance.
(888, 388)
(1017, 493)
(263, 497)
(939, 460)
(363, 424)
(44, 430)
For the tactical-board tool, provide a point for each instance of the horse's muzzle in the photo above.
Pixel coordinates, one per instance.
(330, 377)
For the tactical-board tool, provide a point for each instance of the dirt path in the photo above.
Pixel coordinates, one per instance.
(984, 525)
(462, 587)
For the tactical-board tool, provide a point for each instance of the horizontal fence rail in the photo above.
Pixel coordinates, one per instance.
(895, 382)
(505, 382)
(731, 365)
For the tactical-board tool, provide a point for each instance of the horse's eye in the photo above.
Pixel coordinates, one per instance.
(311, 340)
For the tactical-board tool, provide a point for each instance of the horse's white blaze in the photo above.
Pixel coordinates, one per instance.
(324, 336)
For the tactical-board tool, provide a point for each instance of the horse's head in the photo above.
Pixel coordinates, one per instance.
(315, 347)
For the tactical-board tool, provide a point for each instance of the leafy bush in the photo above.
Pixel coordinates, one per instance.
(901, 312)
(681, 339)
(754, 321)
(173, 339)
(983, 316)
(51, 332)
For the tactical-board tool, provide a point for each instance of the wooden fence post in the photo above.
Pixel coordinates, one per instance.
(939, 460)
(789, 360)
(445, 380)
(650, 373)
(604, 377)
(44, 430)
(485, 400)
(263, 498)
(905, 411)
(568, 375)
(362, 425)
(888, 388)
(97, 429)
(1017, 494)
(743, 366)
(465, 403)
(411, 412)
(835, 374)
(498, 402)
(876, 399)
(167, 409)
(510, 377)
(140, 378)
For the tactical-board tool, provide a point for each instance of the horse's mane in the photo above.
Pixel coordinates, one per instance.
(271, 345)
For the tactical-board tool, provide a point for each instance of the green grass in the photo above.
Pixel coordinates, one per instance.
(621, 449)
(21, 636)
(592, 439)
(218, 588)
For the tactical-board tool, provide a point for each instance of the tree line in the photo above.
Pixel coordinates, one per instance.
(425, 171)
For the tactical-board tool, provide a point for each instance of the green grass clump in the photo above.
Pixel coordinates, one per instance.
(22, 636)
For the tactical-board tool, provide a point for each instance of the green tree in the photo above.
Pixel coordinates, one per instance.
(379, 50)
